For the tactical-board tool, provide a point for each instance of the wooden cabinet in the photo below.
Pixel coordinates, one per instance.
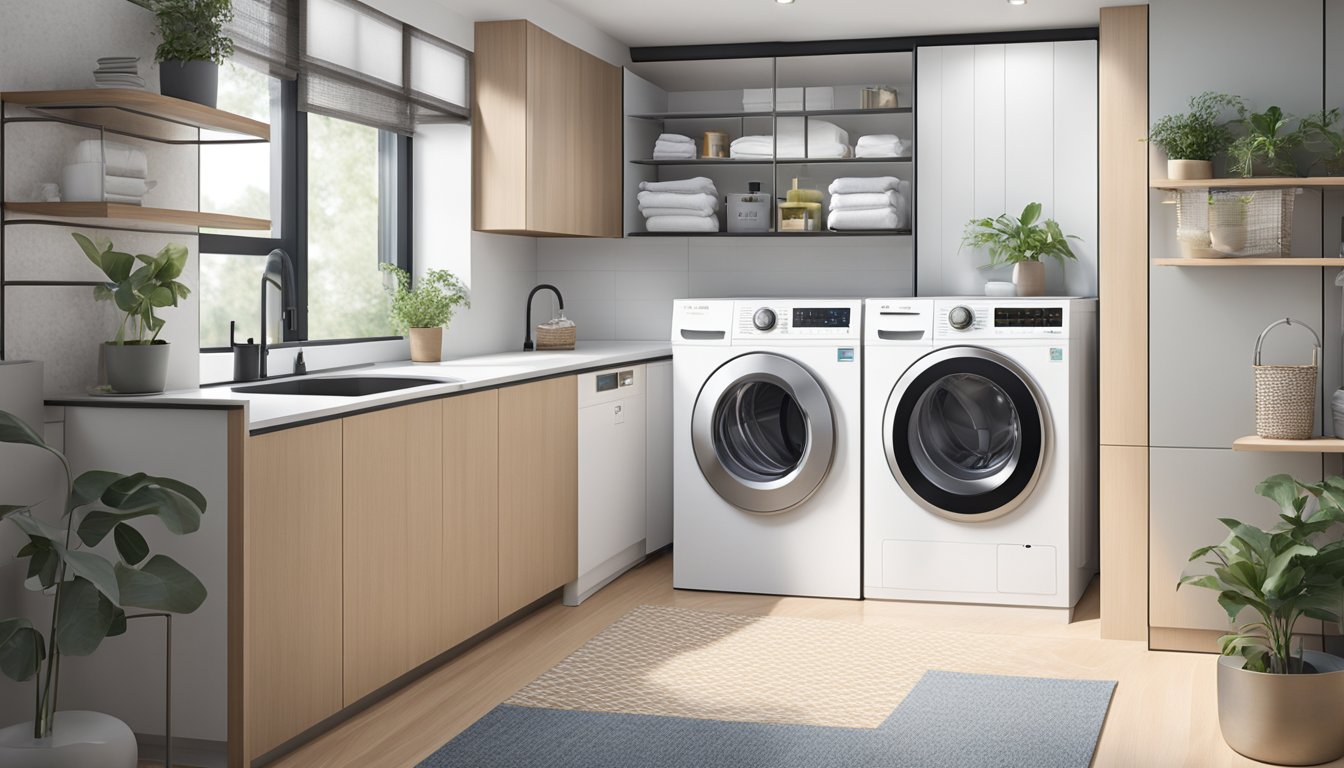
(470, 583)
(546, 135)
(291, 583)
(538, 490)
(393, 544)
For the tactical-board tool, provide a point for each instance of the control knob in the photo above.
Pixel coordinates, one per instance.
(961, 318)
(764, 319)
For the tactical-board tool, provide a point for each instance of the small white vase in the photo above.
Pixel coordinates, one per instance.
(1182, 170)
(1029, 277)
(78, 740)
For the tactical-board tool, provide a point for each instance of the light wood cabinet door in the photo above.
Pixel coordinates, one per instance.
(291, 583)
(393, 544)
(538, 490)
(470, 515)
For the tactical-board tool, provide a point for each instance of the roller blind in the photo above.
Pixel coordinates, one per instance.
(361, 65)
(265, 35)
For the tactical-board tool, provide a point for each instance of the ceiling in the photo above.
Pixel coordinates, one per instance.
(691, 22)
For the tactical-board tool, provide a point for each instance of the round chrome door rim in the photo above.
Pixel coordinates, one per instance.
(898, 393)
(784, 493)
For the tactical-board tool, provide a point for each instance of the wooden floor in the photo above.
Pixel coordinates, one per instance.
(1164, 712)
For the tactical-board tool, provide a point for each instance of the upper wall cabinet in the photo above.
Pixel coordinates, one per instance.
(546, 136)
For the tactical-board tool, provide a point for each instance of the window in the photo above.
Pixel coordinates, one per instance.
(337, 196)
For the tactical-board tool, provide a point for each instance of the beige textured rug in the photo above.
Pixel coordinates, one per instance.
(660, 660)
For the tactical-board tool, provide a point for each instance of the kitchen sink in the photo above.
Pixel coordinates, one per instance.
(340, 386)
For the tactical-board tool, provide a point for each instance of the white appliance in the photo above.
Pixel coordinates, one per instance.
(766, 399)
(612, 471)
(980, 454)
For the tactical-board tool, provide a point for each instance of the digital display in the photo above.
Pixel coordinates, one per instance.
(606, 382)
(821, 317)
(1028, 317)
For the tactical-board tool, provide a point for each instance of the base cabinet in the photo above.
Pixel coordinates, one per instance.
(470, 585)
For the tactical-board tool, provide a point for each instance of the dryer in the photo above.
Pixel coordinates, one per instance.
(766, 449)
(980, 453)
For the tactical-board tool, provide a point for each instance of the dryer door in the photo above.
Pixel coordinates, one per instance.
(763, 432)
(966, 432)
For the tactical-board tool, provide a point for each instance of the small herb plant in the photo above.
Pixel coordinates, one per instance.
(1013, 239)
(138, 292)
(1201, 133)
(1325, 140)
(1291, 571)
(91, 592)
(1268, 143)
(430, 304)
(193, 30)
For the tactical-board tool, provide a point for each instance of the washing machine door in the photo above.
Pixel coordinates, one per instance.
(763, 432)
(966, 433)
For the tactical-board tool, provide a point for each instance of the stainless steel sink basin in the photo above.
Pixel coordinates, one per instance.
(339, 386)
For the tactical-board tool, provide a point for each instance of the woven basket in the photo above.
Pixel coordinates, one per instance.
(556, 338)
(1285, 395)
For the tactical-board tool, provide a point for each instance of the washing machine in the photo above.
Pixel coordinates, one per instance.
(766, 448)
(980, 450)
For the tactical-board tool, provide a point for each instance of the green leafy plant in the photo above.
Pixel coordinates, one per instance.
(1012, 239)
(1268, 143)
(430, 304)
(91, 593)
(138, 292)
(193, 30)
(1199, 134)
(1291, 571)
(1323, 138)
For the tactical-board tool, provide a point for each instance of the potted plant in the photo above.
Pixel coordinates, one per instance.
(136, 360)
(1271, 697)
(1022, 242)
(424, 310)
(1228, 216)
(1325, 140)
(91, 594)
(1266, 148)
(1192, 139)
(192, 48)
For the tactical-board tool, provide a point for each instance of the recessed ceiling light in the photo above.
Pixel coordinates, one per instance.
(784, 2)
(1017, 2)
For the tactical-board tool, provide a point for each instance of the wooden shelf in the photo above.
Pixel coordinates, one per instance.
(824, 233)
(1232, 261)
(140, 114)
(706, 161)
(1260, 182)
(781, 161)
(140, 213)
(1313, 445)
(789, 113)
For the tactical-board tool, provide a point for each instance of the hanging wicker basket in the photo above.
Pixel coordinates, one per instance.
(1285, 395)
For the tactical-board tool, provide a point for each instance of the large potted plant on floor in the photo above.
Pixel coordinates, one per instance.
(192, 48)
(1022, 242)
(1192, 139)
(424, 311)
(1276, 703)
(90, 596)
(137, 360)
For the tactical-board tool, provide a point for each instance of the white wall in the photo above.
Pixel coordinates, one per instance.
(998, 127)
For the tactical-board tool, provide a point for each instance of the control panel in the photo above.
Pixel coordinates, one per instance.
(814, 320)
(1019, 318)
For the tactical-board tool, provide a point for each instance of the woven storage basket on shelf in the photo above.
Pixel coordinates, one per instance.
(1285, 395)
(1224, 223)
(549, 337)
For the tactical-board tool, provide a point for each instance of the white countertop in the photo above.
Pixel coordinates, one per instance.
(464, 374)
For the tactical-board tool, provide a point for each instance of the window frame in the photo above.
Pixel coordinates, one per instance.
(293, 223)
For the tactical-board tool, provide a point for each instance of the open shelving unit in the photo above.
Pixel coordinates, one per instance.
(1269, 445)
(1232, 261)
(1258, 182)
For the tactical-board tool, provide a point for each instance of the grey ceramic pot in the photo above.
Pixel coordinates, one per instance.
(196, 81)
(134, 369)
(1283, 719)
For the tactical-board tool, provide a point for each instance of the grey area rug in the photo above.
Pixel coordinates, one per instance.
(948, 719)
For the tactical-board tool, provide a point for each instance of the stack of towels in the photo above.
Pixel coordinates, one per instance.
(674, 146)
(107, 171)
(118, 72)
(823, 140)
(689, 205)
(881, 145)
(881, 202)
(788, 99)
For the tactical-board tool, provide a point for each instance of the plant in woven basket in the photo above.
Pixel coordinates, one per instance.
(430, 304)
(1268, 144)
(1201, 133)
(1325, 140)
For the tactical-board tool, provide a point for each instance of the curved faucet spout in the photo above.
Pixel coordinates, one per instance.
(279, 272)
(528, 345)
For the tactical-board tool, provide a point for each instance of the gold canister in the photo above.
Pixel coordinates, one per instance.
(714, 144)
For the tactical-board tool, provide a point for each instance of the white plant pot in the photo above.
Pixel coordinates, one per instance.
(79, 740)
(1228, 239)
(1184, 170)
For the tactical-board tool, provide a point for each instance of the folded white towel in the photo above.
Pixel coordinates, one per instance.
(123, 199)
(877, 218)
(682, 224)
(120, 159)
(847, 184)
(862, 201)
(877, 139)
(689, 202)
(675, 138)
(126, 186)
(791, 151)
(882, 145)
(651, 213)
(664, 151)
(824, 139)
(697, 185)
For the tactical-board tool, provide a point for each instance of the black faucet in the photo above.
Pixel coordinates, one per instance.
(528, 346)
(279, 271)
